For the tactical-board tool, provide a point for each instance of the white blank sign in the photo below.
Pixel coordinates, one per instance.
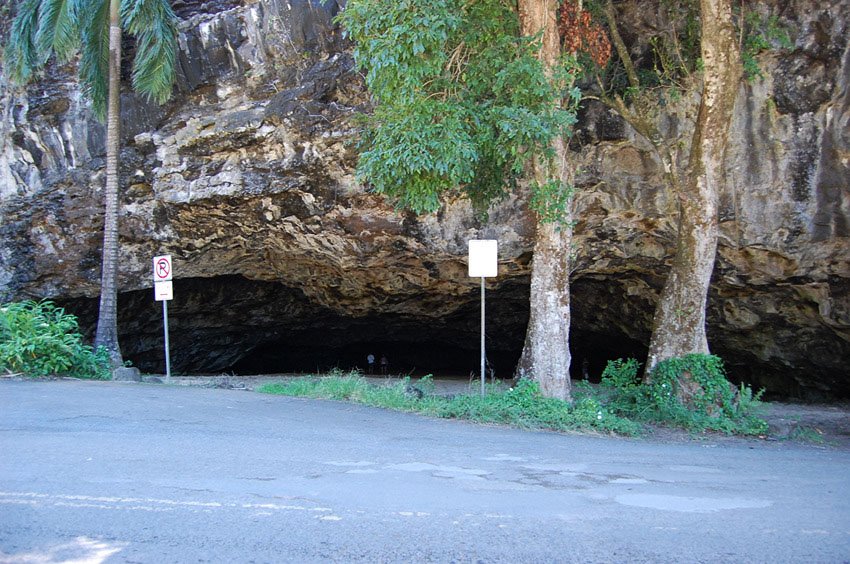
(483, 258)
(163, 291)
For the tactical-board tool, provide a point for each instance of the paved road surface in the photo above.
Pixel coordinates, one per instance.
(117, 472)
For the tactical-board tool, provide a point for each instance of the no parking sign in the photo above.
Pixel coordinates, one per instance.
(162, 270)
(162, 292)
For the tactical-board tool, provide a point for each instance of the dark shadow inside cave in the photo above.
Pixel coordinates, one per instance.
(591, 353)
(414, 358)
(231, 325)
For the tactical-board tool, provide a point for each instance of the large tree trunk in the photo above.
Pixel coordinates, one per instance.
(546, 354)
(679, 324)
(107, 321)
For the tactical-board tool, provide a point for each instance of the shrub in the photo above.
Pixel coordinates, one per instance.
(691, 392)
(40, 339)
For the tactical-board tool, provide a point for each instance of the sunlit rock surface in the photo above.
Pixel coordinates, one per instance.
(284, 262)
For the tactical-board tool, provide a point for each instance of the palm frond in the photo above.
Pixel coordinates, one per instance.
(136, 15)
(94, 60)
(20, 56)
(57, 29)
(154, 24)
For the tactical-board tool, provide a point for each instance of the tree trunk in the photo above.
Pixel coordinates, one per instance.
(679, 323)
(107, 321)
(546, 353)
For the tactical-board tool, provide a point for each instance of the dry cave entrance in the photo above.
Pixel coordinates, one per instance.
(405, 357)
(232, 325)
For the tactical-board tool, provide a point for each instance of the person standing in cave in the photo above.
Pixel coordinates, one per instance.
(385, 364)
(370, 363)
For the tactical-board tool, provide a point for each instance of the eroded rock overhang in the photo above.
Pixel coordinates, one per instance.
(246, 178)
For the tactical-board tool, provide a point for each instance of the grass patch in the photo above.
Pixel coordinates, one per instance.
(522, 406)
(690, 393)
(806, 434)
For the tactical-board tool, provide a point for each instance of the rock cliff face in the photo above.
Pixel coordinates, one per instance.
(283, 261)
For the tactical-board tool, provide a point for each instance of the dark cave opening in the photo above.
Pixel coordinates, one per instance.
(592, 351)
(231, 325)
(413, 358)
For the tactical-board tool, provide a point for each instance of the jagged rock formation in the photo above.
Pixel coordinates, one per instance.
(283, 261)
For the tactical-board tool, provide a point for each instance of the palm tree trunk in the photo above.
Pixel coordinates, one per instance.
(107, 322)
(679, 323)
(546, 353)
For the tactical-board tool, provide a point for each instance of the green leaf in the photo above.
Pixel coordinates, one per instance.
(154, 24)
(21, 55)
(94, 59)
(57, 31)
(462, 99)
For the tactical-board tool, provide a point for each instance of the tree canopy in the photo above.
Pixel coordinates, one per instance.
(462, 101)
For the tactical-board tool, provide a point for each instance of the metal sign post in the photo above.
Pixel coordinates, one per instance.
(483, 356)
(483, 263)
(164, 291)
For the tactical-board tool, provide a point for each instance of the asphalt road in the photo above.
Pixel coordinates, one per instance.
(117, 472)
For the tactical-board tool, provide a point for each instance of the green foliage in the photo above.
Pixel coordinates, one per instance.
(805, 434)
(154, 25)
(691, 392)
(760, 34)
(94, 56)
(462, 102)
(57, 30)
(21, 56)
(551, 200)
(40, 339)
(676, 50)
(62, 28)
(522, 406)
(622, 377)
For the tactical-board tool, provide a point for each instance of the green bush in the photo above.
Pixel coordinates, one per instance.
(691, 392)
(40, 339)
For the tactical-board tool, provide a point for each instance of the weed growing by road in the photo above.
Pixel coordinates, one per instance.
(690, 392)
(805, 434)
(620, 406)
(41, 339)
(521, 406)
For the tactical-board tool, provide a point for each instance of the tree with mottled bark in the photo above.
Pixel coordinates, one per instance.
(546, 352)
(679, 324)
(710, 64)
(474, 98)
(92, 29)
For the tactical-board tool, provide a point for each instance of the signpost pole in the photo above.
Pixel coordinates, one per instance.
(483, 263)
(167, 353)
(483, 355)
(162, 291)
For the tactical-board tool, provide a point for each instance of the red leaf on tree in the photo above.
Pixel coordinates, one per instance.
(580, 34)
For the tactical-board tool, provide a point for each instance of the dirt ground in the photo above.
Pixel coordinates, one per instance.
(820, 425)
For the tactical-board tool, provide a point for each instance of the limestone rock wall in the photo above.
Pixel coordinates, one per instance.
(246, 178)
